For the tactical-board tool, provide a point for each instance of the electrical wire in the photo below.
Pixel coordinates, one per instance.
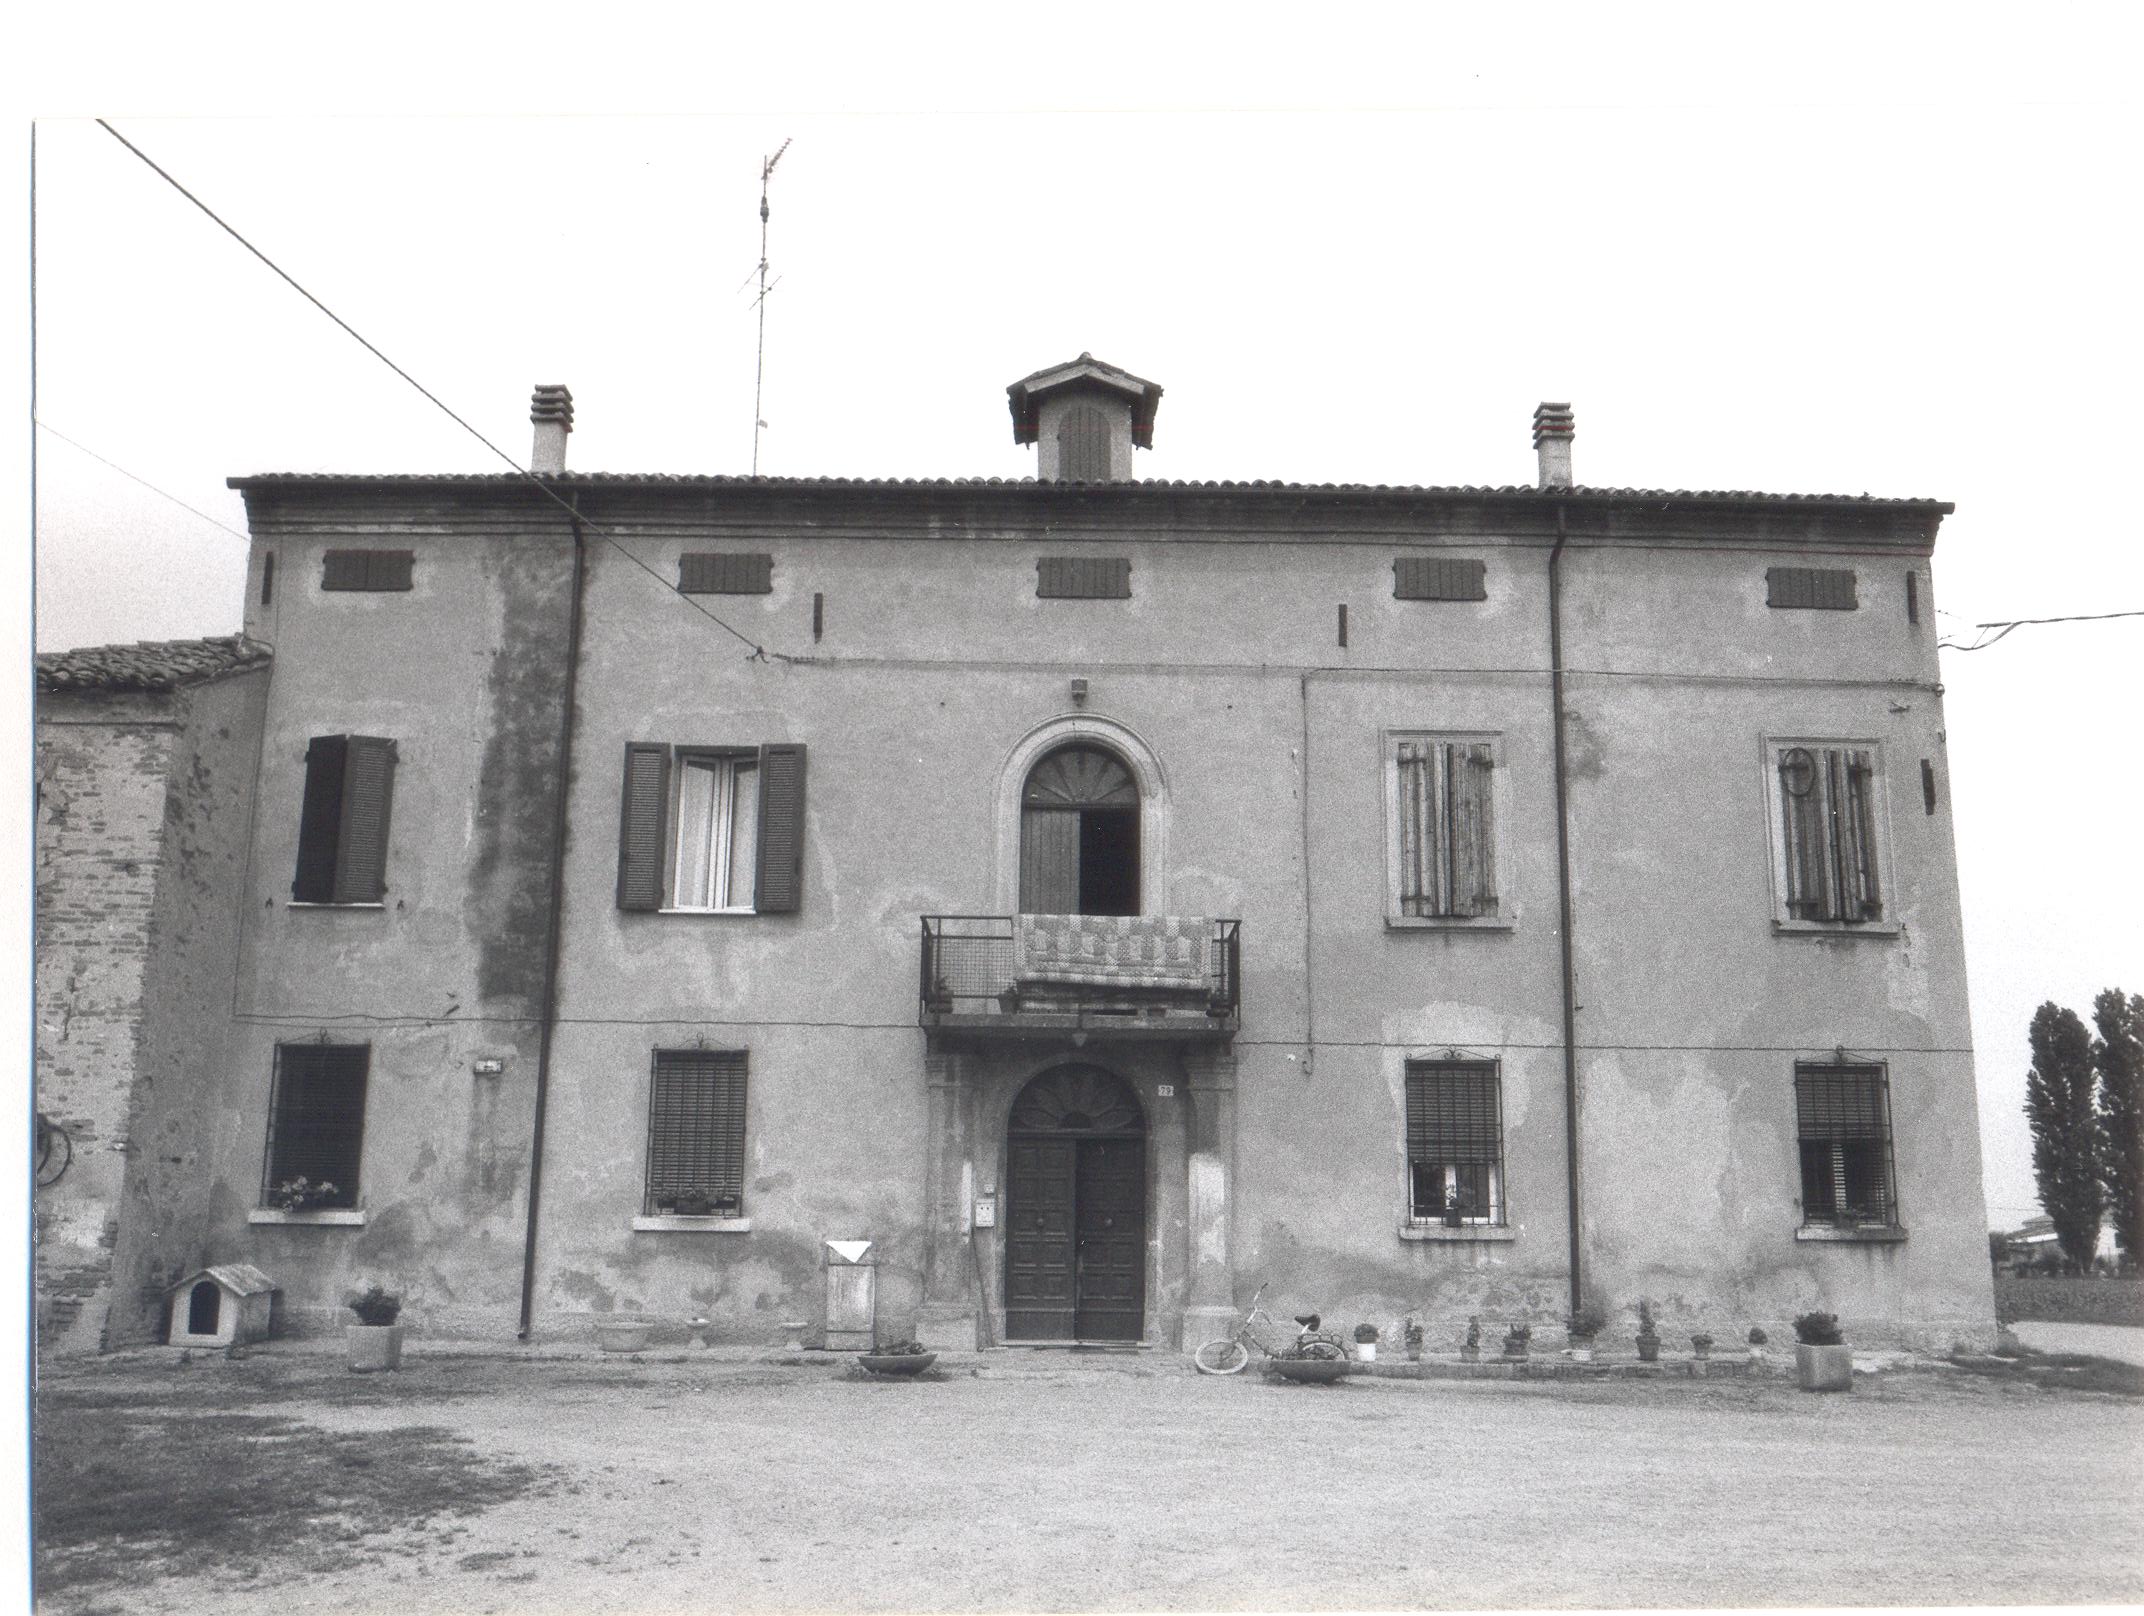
(1985, 639)
(759, 652)
(132, 476)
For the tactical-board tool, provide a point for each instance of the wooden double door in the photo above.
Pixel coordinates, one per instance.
(1075, 1259)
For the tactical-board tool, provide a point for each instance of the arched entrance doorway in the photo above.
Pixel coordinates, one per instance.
(1075, 1249)
(1079, 834)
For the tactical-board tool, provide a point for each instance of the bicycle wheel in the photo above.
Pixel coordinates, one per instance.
(1321, 1349)
(1222, 1357)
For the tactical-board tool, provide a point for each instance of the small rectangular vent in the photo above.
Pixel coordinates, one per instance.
(1439, 578)
(1083, 578)
(378, 571)
(724, 574)
(1811, 589)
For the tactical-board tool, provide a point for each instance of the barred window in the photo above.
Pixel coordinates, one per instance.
(1843, 1115)
(1455, 1143)
(316, 1127)
(696, 1133)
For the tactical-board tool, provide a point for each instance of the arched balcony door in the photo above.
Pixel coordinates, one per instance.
(1079, 835)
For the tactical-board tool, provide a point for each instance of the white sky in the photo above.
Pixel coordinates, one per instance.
(1891, 251)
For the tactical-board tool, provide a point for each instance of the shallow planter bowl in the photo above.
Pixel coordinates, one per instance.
(897, 1363)
(623, 1335)
(1310, 1371)
(373, 1346)
(1824, 1369)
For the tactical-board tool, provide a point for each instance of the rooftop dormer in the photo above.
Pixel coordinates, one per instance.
(1084, 418)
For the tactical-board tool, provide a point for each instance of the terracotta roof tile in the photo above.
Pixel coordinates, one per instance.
(147, 664)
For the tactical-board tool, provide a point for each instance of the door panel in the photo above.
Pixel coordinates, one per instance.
(1109, 1198)
(1049, 862)
(1039, 1300)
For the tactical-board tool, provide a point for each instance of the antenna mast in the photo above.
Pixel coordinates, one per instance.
(759, 372)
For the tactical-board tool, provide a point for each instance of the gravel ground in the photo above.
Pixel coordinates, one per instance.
(1023, 1483)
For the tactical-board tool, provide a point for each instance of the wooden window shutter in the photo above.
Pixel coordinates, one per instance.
(1815, 589)
(1083, 445)
(1863, 897)
(1473, 830)
(1805, 824)
(725, 574)
(1439, 578)
(1083, 578)
(320, 820)
(367, 570)
(641, 824)
(1421, 814)
(778, 886)
(368, 789)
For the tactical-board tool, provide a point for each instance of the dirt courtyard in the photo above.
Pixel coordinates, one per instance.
(1026, 1483)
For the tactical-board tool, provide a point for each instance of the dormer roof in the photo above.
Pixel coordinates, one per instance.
(1025, 396)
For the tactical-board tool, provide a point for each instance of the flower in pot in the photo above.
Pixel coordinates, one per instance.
(1822, 1360)
(1413, 1337)
(1585, 1325)
(1455, 1206)
(1366, 1341)
(1516, 1337)
(1701, 1345)
(1648, 1335)
(1470, 1348)
(905, 1357)
(693, 1204)
(375, 1340)
(301, 1194)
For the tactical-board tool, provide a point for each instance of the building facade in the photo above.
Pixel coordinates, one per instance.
(1105, 897)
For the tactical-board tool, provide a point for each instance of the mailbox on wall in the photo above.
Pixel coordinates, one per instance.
(851, 1297)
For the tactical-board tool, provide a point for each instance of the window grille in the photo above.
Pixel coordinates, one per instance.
(366, 570)
(725, 574)
(1439, 578)
(1083, 578)
(696, 1133)
(1843, 1117)
(1455, 1143)
(316, 1124)
(1811, 589)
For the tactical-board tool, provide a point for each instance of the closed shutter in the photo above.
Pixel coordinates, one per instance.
(1857, 839)
(779, 885)
(1439, 578)
(1473, 829)
(368, 789)
(1805, 830)
(366, 570)
(725, 574)
(320, 819)
(1815, 589)
(641, 823)
(696, 1121)
(1083, 445)
(316, 1124)
(1083, 578)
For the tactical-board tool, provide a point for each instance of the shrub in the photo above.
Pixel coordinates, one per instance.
(376, 1306)
(899, 1349)
(1366, 1333)
(1757, 1337)
(1818, 1330)
(1646, 1332)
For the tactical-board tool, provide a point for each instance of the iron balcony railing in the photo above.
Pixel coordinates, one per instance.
(971, 967)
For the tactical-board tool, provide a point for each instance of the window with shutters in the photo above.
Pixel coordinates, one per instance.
(316, 1127)
(1829, 848)
(696, 1134)
(712, 829)
(1083, 578)
(1843, 1117)
(1810, 589)
(366, 571)
(1439, 578)
(1455, 1144)
(1442, 808)
(343, 820)
(725, 574)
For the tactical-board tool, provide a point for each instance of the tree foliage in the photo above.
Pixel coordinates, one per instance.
(2065, 1133)
(2118, 1060)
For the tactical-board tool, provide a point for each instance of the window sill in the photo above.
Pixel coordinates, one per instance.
(1834, 928)
(705, 914)
(672, 1223)
(1451, 922)
(299, 904)
(1466, 1234)
(327, 1218)
(1872, 1234)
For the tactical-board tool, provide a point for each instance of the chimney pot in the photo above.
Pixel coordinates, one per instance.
(1554, 427)
(551, 409)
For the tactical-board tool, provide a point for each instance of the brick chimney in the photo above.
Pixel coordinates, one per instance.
(1084, 419)
(1554, 428)
(551, 408)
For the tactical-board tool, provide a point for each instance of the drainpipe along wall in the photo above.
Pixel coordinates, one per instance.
(1563, 900)
(554, 921)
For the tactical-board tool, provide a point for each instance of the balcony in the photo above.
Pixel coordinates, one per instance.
(1154, 977)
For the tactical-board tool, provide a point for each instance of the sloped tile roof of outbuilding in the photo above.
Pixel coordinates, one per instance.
(626, 479)
(147, 664)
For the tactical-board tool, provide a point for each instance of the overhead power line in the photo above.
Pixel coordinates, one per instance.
(759, 652)
(134, 477)
(1985, 639)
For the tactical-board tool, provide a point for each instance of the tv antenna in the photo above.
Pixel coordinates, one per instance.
(759, 372)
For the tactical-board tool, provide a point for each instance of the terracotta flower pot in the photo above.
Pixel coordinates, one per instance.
(373, 1346)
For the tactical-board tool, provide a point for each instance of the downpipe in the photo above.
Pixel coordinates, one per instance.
(1563, 901)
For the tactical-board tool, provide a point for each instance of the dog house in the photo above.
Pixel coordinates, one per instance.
(221, 1307)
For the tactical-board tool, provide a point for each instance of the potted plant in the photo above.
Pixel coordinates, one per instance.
(1584, 1327)
(1648, 1335)
(1470, 1348)
(1366, 1342)
(693, 1204)
(1413, 1337)
(375, 1340)
(1822, 1360)
(301, 1194)
(1701, 1345)
(909, 1357)
(1454, 1207)
(1516, 1337)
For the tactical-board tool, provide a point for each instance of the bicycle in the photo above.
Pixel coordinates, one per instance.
(1225, 1355)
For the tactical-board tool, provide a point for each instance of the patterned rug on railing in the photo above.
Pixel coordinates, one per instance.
(1135, 951)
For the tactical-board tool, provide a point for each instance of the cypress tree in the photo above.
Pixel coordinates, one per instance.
(2118, 1059)
(2065, 1133)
